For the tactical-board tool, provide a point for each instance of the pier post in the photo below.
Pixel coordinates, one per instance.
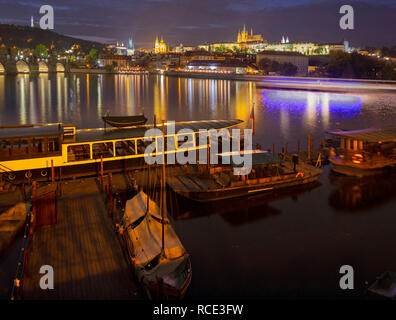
(101, 173)
(60, 181)
(273, 148)
(287, 145)
(309, 147)
(110, 194)
(52, 171)
(208, 155)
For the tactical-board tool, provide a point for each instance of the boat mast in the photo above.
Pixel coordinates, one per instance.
(163, 208)
(148, 187)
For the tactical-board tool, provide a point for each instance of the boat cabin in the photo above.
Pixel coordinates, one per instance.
(28, 141)
(366, 146)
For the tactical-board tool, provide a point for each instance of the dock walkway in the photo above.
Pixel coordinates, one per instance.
(83, 250)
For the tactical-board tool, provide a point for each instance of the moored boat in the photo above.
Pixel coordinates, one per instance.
(34, 152)
(364, 152)
(268, 174)
(160, 261)
(124, 121)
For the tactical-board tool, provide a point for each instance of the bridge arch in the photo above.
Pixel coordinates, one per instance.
(22, 67)
(42, 67)
(60, 67)
(2, 69)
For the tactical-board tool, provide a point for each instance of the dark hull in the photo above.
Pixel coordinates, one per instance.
(358, 172)
(243, 191)
(120, 122)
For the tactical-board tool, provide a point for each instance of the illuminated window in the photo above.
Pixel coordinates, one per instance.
(78, 152)
(102, 149)
(125, 148)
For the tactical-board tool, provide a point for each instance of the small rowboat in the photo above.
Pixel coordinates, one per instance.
(126, 121)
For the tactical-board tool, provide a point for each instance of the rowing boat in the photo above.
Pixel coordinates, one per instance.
(126, 121)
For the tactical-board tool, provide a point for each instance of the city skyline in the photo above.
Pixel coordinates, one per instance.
(192, 23)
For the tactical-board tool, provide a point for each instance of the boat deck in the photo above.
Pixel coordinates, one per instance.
(100, 134)
(83, 250)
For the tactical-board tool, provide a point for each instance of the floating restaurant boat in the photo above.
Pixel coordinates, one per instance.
(162, 265)
(364, 152)
(31, 151)
(126, 121)
(268, 174)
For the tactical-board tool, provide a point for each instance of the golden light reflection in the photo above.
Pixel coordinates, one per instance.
(88, 98)
(42, 83)
(310, 115)
(59, 81)
(21, 98)
(100, 96)
(241, 102)
(325, 110)
(32, 104)
(2, 92)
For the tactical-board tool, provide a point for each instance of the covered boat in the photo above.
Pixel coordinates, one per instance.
(161, 263)
(385, 285)
(126, 121)
(364, 152)
(269, 174)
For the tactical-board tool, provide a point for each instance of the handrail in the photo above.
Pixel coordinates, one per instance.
(8, 170)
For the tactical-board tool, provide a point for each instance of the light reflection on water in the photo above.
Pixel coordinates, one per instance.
(240, 253)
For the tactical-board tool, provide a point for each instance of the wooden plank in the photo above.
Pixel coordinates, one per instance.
(83, 250)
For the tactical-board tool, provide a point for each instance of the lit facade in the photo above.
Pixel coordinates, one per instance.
(160, 46)
(244, 36)
(306, 48)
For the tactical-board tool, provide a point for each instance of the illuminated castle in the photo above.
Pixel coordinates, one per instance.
(244, 36)
(160, 47)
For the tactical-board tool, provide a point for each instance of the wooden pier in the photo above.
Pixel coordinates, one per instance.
(82, 248)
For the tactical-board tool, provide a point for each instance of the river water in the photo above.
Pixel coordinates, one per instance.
(291, 247)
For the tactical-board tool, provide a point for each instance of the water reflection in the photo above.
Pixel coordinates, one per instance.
(280, 115)
(359, 195)
(239, 211)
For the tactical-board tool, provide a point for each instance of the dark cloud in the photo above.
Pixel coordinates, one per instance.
(192, 22)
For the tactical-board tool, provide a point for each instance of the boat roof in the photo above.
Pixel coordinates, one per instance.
(261, 158)
(387, 134)
(99, 134)
(87, 135)
(36, 130)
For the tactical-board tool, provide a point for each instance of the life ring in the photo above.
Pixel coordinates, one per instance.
(300, 174)
(44, 173)
(357, 158)
(28, 174)
(11, 176)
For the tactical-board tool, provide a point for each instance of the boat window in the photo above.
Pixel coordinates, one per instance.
(102, 149)
(53, 144)
(20, 147)
(125, 148)
(38, 145)
(182, 141)
(142, 145)
(5, 147)
(78, 152)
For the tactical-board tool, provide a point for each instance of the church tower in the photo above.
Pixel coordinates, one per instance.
(156, 46)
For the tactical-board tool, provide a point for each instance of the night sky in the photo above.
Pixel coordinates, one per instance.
(192, 22)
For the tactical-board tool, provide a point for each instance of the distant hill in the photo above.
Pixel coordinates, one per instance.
(27, 37)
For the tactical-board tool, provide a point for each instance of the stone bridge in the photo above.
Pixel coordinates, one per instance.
(14, 65)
